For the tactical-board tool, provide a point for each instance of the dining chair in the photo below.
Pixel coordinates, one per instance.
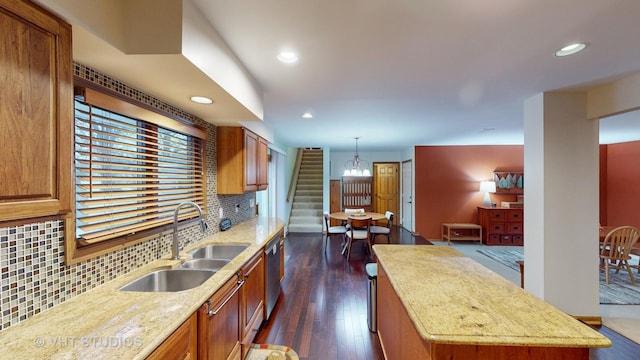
(358, 230)
(615, 249)
(353, 211)
(333, 230)
(382, 230)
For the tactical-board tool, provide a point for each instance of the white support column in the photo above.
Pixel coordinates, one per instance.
(561, 164)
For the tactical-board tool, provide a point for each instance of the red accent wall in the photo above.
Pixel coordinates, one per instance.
(623, 184)
(448, 181)
(603, 184)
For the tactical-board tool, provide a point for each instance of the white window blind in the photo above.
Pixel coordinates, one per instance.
(131, 174)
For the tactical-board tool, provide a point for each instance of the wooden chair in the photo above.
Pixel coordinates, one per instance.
(358, 230)
(615, 249)
(333, 230)
(351, 211)
(383, 230)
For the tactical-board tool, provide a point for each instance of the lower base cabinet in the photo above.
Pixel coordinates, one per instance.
(181, 345)
(224, 327)
(501, 226)
(253, 300)
(400, 340)
(219, 323)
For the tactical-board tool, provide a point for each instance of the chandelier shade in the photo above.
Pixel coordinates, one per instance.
(356, 166)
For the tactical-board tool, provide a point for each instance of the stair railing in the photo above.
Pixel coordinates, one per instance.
(294, 179)
(295, 174)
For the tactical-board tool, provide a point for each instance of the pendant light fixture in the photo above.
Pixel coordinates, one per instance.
(357, 166)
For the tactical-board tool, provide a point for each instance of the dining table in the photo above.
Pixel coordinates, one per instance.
(604, 231)
(343, 216)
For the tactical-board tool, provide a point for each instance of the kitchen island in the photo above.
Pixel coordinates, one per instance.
(436, 303)
(105, 323)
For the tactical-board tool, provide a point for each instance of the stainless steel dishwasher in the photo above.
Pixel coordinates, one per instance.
(272, 286)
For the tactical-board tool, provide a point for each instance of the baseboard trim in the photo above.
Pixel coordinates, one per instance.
(590, 320)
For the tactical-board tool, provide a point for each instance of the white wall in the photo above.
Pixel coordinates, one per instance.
(339, 158)
(561, 161)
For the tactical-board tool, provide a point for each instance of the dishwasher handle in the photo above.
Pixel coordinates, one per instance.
(226, 300)
(272, 247)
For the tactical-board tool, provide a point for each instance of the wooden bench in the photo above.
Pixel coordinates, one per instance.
(461, 231)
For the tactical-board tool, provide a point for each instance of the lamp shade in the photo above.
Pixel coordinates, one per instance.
(487, 186)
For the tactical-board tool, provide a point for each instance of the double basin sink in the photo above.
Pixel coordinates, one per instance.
(205, 261)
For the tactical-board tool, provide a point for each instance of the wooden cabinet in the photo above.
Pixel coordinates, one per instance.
(181, 345)
(251, 161)
(501, 226)
(219, 323)
(229, 321)
(36, 115)
(253, 300)
(357, 192)
(242, 161)
(262, 164)
(396, 331)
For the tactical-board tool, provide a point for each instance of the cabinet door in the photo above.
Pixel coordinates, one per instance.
(262, 165)
(514, 228)
(253, 293)
(496, 228)
(219, 323)
(250, 161)
(181, 345)
(36, 115)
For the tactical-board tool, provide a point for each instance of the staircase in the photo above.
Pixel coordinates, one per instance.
(306, 210)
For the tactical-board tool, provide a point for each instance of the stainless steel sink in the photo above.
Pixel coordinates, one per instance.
(212, 264)
(218, 251)
(169, 280)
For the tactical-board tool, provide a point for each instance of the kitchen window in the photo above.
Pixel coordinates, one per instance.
(132, 169)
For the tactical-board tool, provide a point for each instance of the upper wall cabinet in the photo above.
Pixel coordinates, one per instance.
(242, 161)
(36, 114)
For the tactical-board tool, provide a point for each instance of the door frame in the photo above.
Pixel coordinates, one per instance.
(406, 195)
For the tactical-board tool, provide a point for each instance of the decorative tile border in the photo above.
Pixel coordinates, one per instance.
(33, 275)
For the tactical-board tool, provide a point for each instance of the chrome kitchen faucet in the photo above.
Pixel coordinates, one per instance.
(175, 251)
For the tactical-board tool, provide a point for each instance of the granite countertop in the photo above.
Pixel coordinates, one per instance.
(452, 299)
(105, 323)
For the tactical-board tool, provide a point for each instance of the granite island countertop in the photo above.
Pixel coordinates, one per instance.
(105, 323)
(452, 299)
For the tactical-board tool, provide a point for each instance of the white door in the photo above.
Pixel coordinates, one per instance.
(407, 195)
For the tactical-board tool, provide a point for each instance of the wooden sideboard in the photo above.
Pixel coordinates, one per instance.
(501, 226)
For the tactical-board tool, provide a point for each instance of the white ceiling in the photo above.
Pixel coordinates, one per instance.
(405, 72)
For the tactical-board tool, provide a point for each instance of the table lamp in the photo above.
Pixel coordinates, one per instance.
(487, 187)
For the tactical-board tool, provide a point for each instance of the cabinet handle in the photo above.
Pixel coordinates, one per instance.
(226, 300)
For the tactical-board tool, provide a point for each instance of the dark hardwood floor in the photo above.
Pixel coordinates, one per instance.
(322, 312)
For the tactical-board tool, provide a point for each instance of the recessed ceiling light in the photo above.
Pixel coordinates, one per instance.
(307, 115)
(288, 57)
(571, 49)
(201, 100)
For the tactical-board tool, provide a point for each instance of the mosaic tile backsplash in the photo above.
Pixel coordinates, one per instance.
(34, 277)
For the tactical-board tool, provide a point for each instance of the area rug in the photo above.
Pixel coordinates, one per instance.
(271, 352)
(619, 291)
